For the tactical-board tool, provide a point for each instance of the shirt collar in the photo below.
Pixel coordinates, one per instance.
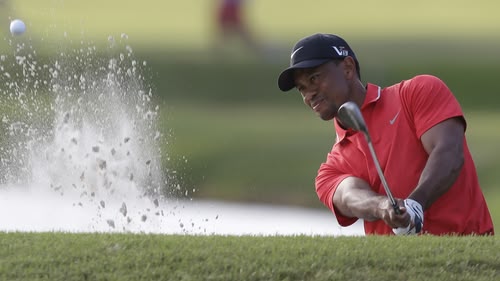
(373, 93)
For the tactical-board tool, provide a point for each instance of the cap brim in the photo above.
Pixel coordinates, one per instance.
(286, 80)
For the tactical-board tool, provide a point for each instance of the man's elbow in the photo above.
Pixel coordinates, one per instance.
(459, 163)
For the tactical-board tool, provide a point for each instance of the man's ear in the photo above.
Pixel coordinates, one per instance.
(349, 67)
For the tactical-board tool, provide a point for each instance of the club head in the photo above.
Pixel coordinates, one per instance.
(350, 116)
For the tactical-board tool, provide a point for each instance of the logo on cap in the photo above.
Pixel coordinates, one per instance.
(340, 51)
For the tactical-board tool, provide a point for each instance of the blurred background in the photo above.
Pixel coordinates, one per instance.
(229, 133)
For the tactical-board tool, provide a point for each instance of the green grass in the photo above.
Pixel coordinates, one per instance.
(264, 153)
(483, 140)
(62, 256)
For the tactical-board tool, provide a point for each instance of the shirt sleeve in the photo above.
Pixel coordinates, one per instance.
(429, 101)
(330, 175)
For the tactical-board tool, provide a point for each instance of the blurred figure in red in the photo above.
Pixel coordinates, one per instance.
(231, 23)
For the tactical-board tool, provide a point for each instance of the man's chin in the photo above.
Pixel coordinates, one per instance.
(326, 117)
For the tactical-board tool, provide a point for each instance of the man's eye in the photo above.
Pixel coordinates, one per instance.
(314, 78)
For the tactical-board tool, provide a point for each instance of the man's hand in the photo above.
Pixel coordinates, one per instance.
(414, 209)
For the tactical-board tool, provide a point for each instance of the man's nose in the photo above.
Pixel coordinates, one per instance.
(308, 95)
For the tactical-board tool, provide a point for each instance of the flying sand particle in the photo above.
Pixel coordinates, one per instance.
(111, 223)
(123, 209)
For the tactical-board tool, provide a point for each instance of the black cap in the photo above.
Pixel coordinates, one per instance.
(312, 51)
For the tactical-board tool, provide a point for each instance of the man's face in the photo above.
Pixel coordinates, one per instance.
(324, 88)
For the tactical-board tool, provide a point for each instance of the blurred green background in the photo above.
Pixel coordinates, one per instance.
(230, 133)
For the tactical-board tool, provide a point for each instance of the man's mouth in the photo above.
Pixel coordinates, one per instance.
(315, 105)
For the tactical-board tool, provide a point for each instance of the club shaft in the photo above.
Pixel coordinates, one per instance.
(351, 116)
(382, 177)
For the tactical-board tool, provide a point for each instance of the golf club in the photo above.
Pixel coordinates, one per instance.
(350, 116)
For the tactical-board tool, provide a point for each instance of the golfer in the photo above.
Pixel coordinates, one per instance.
(417, 128)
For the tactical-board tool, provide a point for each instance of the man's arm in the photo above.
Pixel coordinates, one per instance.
(444, 144)
(355, 198)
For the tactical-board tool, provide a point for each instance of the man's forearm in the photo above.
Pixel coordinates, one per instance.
(354, 198)
(440, 172)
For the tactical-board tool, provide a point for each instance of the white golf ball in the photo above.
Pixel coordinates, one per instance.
(17, 27)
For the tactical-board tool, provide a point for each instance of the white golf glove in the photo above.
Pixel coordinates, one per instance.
(414, 209)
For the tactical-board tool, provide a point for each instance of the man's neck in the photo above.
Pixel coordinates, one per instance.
(358, 94)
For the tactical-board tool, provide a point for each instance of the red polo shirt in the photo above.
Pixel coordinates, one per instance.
(396, 118)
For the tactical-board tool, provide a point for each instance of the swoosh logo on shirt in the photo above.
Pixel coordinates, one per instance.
(395, 117)
(294, 52)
